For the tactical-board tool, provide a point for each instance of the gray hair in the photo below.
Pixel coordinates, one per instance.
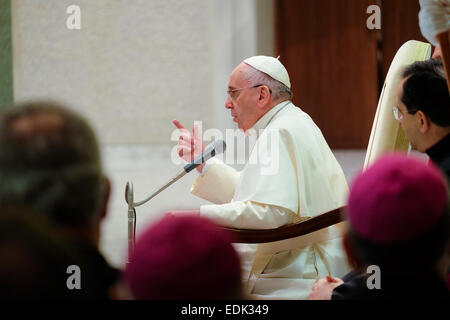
(279, 90)
(50, 161)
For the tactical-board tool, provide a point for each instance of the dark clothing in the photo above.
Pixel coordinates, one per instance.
(440, 155)
(97, 276)
(353, 281)
(393, 286)
(402, 285)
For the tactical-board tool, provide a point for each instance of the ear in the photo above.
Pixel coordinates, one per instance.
(105, 200)
(264, 95)
(423, 122)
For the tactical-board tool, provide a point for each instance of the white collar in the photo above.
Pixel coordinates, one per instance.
(267, 117)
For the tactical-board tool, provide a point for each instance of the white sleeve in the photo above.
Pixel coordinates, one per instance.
(216, 183)
(248, 215)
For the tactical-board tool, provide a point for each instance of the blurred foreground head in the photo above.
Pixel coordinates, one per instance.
(50, 161)
(398, 214)
(34, 257)
(184, 257)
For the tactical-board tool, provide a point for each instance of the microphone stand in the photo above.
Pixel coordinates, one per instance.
(129, 198)
(218, 147)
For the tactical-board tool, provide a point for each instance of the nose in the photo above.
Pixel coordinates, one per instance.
(228, 103)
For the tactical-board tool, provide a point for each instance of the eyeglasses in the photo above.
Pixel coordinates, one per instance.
(233, 91)
(398, 115)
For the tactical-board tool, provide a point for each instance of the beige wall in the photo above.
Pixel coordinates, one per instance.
(130, 69)
(133, 67)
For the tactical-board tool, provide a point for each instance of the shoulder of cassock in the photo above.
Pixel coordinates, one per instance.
(292, 166)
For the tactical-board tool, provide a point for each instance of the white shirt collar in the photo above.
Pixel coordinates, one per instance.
(265, 119)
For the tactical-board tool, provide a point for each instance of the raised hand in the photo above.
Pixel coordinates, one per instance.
(190, 145)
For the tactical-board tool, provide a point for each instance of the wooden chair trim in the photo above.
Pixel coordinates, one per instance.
(293, 230)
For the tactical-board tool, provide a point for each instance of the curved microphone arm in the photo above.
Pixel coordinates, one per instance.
(129, 193)
(216, 148)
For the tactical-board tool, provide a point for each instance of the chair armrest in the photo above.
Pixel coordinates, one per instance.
(288, 231)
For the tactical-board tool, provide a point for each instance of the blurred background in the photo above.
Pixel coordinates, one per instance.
(136, 65)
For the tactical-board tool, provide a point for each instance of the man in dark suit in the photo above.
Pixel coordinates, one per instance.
(50, 162)
(423, 110)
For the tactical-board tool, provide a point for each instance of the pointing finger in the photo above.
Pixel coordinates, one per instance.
(178, 124)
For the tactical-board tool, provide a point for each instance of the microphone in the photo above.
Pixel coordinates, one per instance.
(214, 149)
(217, 147)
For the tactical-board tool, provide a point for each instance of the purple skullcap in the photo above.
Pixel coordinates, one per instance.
(396, 199)
(184, 257)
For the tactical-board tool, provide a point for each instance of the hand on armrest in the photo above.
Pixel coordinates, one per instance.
(323, 288)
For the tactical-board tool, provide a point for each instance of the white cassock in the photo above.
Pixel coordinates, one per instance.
(291, 173)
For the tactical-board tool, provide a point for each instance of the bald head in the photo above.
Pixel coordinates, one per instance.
(29, 125)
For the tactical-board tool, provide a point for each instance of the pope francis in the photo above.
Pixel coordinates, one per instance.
(307, 181)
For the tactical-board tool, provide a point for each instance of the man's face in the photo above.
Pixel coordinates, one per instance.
(407, 121)
(243, 103)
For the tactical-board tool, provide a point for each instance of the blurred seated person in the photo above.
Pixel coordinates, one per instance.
(184, 257)
(34, 258)
(399, 222)
(50, 162)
